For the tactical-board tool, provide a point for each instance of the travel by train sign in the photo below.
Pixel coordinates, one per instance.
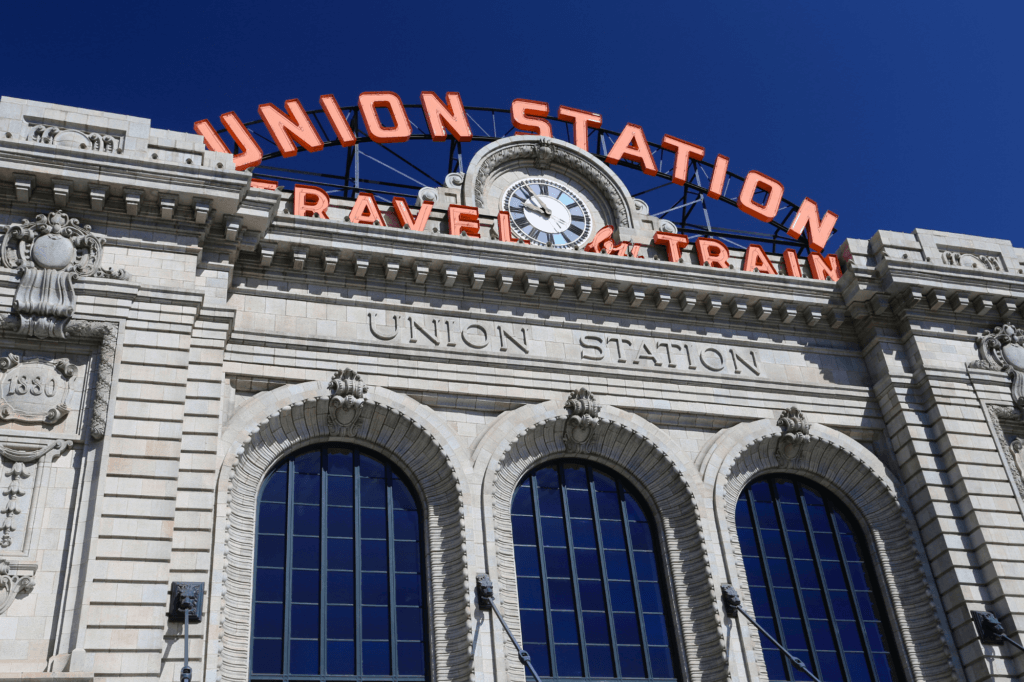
(383, 118)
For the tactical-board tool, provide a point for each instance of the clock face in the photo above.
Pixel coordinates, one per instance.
(547, 212)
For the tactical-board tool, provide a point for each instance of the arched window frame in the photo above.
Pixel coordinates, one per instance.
(624, 488)
(392, 470)
(405, 431)
(871, 494)
(874, 578)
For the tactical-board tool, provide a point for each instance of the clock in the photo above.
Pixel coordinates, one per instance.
(548, 212)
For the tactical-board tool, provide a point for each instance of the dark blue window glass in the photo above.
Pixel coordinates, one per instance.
(811, 584)
(591, 597)
(339, 585)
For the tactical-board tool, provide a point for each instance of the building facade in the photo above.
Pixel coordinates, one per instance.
(337, 425)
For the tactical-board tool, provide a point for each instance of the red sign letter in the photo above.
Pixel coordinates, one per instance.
(581, 122)
(338, 120)
(525, 116)
(251, 154)
(365, 211)
(295, 125)
(684, 152)
(712, 252)
(718, 177)
(791, 263)
(755, 260)
(463, 219)
(818, 232)
(766, 211)
(448, 115)
(824, 266)
(369, 102)
(505, 226)
(405, 215)
(308, 200)
(673, 243)
(632, 146)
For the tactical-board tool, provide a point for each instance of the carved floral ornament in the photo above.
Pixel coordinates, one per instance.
(1002, 349)
(49, 254)
(347, 398)
(581, 425)
(795, 434)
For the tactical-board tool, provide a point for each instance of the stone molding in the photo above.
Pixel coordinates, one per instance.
(106, 333)
(738, 455)
(415, 439)
(652, 462)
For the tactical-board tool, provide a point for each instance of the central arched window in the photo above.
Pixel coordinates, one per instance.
(339, 573)
(811, 584)
(591, 599)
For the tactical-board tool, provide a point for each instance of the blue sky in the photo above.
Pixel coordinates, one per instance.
(893, 115)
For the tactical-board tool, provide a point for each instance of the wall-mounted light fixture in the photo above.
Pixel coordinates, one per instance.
(186, 607)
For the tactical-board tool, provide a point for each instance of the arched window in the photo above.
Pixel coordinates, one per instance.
(591, 598)
(812, 585)
(339, 571)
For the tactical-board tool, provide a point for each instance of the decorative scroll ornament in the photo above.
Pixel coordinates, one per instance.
(35, 391)
(346, 404)
(30, 453)
(1017, 447)
(581, 426)
(971, 260)
(1003, 349)
(49, 254)
(795, 433)
(11, 586)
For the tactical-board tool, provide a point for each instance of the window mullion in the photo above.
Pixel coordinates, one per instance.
(833, 623)
(357, 565)
(763, 556)
(609, 611)
(543, 576)
(850, 589)
(572, 570)
(323, 560)
(791, 560)
(286, 655)
(635, 578)
(392, 605)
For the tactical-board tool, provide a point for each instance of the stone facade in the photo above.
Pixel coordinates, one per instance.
(177, 331)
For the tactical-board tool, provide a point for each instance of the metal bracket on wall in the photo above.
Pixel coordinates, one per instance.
(186, 605)
(990, 630)
(485, 597)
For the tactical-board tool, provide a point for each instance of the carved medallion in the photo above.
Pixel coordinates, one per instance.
(35, 391)
(1003, 349)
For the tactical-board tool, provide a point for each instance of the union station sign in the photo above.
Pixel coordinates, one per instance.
(545, 210)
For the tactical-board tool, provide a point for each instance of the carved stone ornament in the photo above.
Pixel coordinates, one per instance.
(49, 254)
(1002, 349)
(1017, 447)
(11, 586)
(795, 433)
(971, 260)
(347, 391)
(22, 457)
(581, 425)
(35, 391)
(70, 137)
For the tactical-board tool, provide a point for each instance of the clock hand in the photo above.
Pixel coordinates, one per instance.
(544, 209)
